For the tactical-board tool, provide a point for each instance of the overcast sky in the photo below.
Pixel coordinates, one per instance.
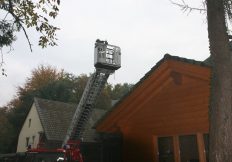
(144, 29)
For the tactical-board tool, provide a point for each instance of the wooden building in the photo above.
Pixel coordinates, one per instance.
(165, 116)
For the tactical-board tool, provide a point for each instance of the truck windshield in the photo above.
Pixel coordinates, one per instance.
(45, 157)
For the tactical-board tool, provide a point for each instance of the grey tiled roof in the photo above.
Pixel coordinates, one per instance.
(56, 116)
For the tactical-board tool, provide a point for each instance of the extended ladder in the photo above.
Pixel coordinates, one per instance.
(95, 84)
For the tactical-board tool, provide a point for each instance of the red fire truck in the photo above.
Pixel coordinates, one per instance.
(70, 153)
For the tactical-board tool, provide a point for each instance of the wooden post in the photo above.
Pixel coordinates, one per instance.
(155, 146)
(201, 147)
(176, 146)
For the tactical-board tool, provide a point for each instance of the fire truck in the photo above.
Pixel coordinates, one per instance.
(107, 59)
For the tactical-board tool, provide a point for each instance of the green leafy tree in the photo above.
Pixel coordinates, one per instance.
(104, 99)
(6, 132)
(119, 90)
(19, 15)
(78, 87)
(22, 14)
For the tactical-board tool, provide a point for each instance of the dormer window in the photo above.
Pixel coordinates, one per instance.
(29, 124)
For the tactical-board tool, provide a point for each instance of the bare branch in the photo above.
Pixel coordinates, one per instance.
(185, 7)
(25, 32)
(5, 16)
(1, 64)
(17, 19)
(2, 59)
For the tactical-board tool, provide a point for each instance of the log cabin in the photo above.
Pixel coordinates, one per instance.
(164, 118)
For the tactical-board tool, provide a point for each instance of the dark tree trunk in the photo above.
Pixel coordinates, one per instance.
(220, 114)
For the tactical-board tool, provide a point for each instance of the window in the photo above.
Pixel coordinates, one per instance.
(185, 149)
(33, 139)
(29, 124)
(188, 148)
(27, 141)
(165, 146)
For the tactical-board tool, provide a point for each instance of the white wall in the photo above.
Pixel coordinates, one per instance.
(30, 131)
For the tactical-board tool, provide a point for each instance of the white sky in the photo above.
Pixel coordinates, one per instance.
(144, 29)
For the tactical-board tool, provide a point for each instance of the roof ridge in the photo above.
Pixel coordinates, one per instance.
(56, 101)
(178, 58)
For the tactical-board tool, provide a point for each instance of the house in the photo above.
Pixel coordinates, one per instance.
(47, 123)
(165, 116)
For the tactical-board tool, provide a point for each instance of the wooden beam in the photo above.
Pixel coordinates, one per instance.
(201, 147)
(181, 113)
(156, 150)
(176, 146)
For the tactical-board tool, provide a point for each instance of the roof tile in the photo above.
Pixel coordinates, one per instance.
(56, 117)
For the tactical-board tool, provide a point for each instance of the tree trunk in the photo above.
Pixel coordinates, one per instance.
(220, 114)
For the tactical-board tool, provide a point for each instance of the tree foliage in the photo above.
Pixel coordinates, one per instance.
(6, 132)
(49, 83)
(119, 90)
(22, 14)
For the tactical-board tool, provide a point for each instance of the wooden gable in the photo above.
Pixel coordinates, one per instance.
(170, 102)
(171, 99)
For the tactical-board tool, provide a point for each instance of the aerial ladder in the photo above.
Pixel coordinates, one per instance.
(107, 59)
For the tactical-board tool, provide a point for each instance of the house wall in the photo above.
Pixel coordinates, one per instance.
(137, 147)
(180, 110)
(177, 110)
(172, 102)
(30, 130)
